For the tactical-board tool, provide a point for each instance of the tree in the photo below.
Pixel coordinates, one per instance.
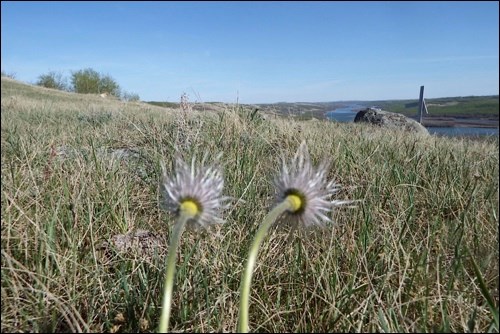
(131, 97)
(52, 80)
(108, 85)
(89, 81)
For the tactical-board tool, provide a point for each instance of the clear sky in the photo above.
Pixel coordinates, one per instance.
(261, 52)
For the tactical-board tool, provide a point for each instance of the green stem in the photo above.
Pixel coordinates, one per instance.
(169, 277)
(252, 256)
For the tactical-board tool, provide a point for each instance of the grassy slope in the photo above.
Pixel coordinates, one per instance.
(420, 252)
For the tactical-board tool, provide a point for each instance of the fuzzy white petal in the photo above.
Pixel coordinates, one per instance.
(202, 184)
(301, 177)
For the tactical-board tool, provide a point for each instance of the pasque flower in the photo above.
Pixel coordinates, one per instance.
(195, 190)
(194, 194)
(304, 195)
(307, 189)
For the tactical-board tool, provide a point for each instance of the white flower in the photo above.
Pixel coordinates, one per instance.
(196, 190)
(307, 189)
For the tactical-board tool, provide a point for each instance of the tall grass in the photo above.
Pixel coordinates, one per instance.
(419, 253)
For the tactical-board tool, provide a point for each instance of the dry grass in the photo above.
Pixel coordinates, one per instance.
(420, 253)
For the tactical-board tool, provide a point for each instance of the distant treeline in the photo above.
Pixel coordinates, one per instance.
(85, 81)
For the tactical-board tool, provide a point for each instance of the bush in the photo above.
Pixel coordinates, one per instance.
(88, 81)
(11, 75)
(52, 80)
(108, 85)
(130, 96)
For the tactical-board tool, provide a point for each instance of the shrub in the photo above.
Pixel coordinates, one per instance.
(11, 75)
(89, 81)
(52, 80)
(108, 85)
(130, 96)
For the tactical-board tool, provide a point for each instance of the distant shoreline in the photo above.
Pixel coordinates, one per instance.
(469, 121)
(460, 121)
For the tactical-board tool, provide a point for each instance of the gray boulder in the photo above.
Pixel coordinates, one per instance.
(389, 120)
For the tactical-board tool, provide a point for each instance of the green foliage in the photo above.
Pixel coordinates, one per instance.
(89, 81)
(108, 85)
(174, 105)
(449, 106)
(52, 80)
(85, 81)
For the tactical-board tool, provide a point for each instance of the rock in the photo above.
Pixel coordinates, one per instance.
(140, 240)
(139, 243)
(390, 120)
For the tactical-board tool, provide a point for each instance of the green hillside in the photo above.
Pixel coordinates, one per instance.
(468, 106)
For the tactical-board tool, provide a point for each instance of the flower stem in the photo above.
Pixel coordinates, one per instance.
(169, 277)
(252, 256)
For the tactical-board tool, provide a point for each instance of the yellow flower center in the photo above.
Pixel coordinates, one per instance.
(295, 202)
(190, 208)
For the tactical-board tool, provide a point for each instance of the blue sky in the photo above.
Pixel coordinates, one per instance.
(261, 52)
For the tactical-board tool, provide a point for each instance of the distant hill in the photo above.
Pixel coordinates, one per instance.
(466, 106)
(461, 106)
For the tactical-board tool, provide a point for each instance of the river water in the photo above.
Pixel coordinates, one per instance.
(347, 114)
